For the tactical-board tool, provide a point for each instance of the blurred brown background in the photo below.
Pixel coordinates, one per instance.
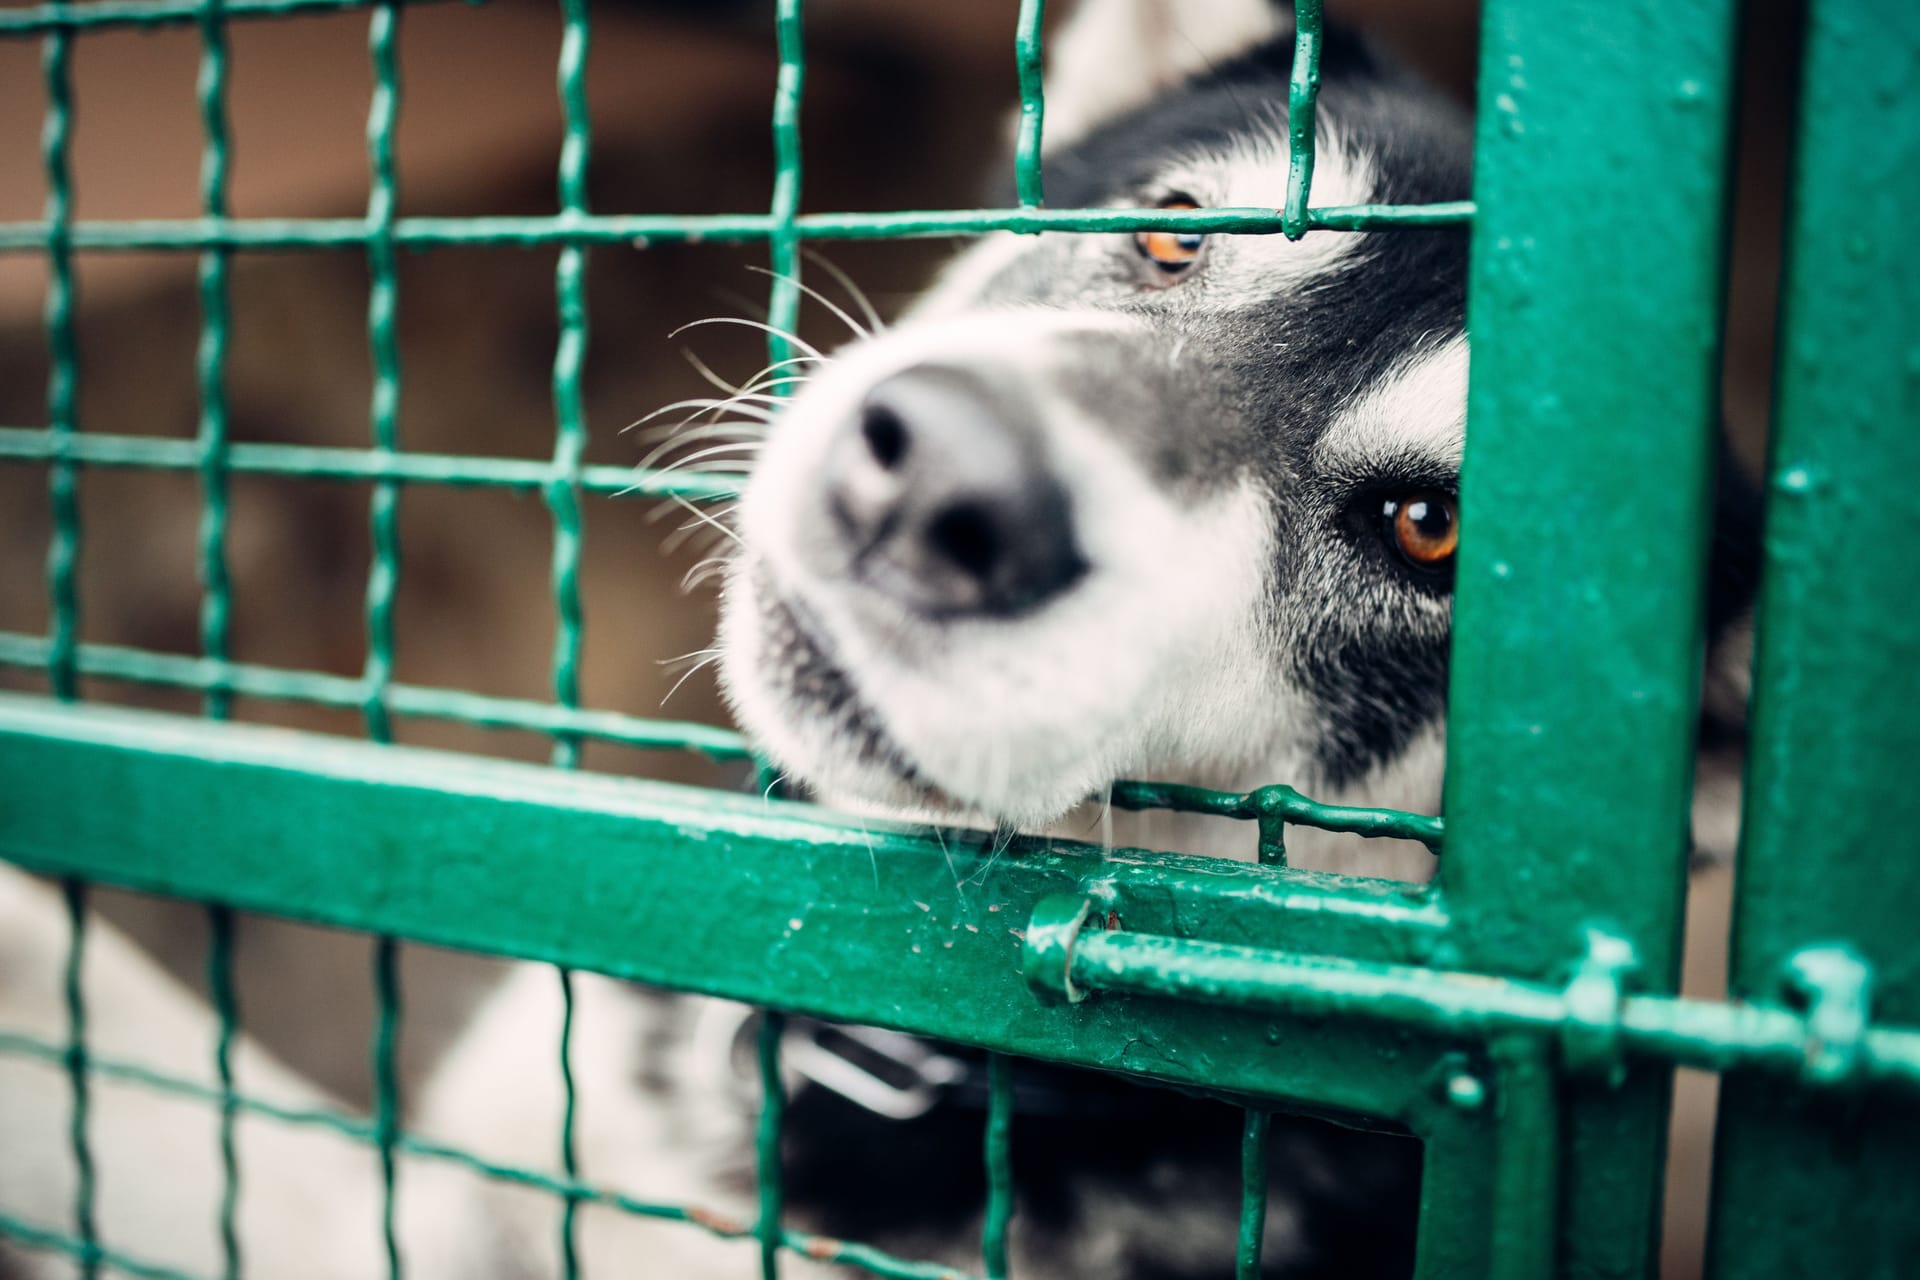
(906, 107)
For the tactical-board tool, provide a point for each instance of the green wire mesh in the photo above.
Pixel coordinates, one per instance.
(562, 482)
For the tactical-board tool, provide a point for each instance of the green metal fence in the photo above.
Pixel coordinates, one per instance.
(1519, 1014)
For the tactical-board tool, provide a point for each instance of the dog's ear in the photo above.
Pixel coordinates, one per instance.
(1111, 56)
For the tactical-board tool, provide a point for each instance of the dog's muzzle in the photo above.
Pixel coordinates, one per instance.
(940, 488)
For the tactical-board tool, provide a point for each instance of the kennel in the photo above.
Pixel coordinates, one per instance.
(1519, 1015)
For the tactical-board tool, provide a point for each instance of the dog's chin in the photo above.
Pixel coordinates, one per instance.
(888, 750)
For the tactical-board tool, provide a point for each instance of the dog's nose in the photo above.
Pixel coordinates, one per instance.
(943, 491)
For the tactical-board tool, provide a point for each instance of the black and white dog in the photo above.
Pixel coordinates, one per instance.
(1101, 506)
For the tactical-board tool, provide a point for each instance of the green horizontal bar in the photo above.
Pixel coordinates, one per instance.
(25, 444)
(1713, 1035)
(1285, 803)
(725, 228)
(39, 19)
(55, 1053)
(181, 671)
(763, 901)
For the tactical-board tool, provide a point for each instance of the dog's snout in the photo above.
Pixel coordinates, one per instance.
(945, 494)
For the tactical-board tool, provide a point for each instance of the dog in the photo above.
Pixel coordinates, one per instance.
(1100, 506)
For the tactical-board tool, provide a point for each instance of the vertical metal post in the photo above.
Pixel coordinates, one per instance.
(569, 363)
(1600, 181)
(1303, 96)
(85, 1228)
(383, 315)
(783, 304)
(773, 1109)
(211, 358)
(386, 1089)
(1029, 60)
(569, 1150)
(998, 1155)
(1254, 1128)
(63, 372)
(383, 576)
(226, 1010)
(1813, 1181)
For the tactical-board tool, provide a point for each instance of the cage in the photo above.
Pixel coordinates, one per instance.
(1519, 1014)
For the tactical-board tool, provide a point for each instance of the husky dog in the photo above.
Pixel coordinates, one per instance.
(1161, 505)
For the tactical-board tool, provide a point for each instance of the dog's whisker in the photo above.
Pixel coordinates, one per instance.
(662, 450)
(761, 325)
(698, 406)
(704, 571)
(845, 281)
(704, 518)
(684, 534)
(696, 653)
(688, 429)
(689, 674)
(859, 329)
(706, 372)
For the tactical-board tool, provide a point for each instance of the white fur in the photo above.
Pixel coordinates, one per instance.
(1419, 410)
(1114, 55)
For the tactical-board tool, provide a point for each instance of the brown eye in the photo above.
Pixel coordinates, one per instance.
(1424, 526)
(1171, 250)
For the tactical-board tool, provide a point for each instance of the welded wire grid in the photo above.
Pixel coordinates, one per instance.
(562, 482)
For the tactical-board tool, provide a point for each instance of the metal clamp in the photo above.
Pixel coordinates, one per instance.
(1047, 959)
(1836, 988)
(1595, 997)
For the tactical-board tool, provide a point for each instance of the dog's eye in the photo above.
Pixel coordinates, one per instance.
(1423, 526)
(1171, 250)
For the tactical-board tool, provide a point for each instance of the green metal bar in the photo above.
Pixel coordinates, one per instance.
(226, 1011)
(1253, 1193)
(1600, 179)
(1527, 1168)
(215, 584)
(386, 1088)
(19, 444)
(768, 1165)
(1274, 805)
(1460, 1149)
(177, 671)
(783, 236)
(1460, 1005)
(1804, 1183)
(383, 574)
(562, 492)
(353, 1127)
(1029, 60)
(267, 810)
(640, 230)
(99, 14)
(999, 1163)
(1303, 94)
(63, 549)
(383, 303)
(74, 989)
(569, 1150)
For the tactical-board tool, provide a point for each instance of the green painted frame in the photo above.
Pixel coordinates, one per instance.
(1827, 888)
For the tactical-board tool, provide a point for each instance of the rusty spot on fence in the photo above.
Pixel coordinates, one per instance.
(713, 1220)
